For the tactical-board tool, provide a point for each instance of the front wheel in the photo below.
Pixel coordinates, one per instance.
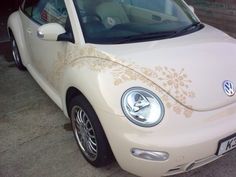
(16, 54)
(89, 133)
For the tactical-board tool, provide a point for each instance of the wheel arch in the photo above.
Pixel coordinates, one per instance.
(91, 85)
(74, 82)
(70, 93)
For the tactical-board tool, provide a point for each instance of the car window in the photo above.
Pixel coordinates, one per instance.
(28, 6)
(153, 5)
(124, 21)
(47, 11)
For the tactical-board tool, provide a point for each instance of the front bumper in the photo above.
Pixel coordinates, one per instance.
(190, 142)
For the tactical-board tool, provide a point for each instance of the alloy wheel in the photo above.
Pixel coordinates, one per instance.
(84, 133)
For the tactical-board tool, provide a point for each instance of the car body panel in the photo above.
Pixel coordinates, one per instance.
(174, 135)
(190, 68)
(180, 71)
(43, 55)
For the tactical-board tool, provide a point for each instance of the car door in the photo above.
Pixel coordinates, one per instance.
(46, 56)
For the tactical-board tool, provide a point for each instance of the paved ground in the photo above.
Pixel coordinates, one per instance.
(36, 141)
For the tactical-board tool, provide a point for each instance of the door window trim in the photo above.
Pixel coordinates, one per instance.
(67, 28)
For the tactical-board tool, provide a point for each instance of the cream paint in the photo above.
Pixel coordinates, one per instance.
(203, 57)
(170, 68)
(169, 78)
(50, 32)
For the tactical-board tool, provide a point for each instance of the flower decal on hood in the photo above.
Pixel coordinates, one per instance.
(169, 80)
(173, 86)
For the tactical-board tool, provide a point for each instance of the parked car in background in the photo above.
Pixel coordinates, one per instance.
(143, 81)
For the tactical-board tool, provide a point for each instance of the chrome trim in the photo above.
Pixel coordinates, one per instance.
(229, 88)
(15, 52)
(150, 155)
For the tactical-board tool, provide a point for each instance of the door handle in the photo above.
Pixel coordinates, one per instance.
(29, 31)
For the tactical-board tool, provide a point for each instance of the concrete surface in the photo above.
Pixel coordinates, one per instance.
(36, 141)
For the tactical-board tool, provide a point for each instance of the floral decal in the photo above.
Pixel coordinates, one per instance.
(170, 81)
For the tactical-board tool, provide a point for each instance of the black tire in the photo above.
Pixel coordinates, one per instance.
(16, 54)
(92, 128)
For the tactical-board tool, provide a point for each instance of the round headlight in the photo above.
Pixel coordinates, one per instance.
(142, 107)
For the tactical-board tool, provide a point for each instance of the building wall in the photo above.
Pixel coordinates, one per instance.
(9, 5)
(218, 13)
(6, 8)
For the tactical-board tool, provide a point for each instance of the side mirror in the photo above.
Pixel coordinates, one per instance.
(191, 8)
(50, 31)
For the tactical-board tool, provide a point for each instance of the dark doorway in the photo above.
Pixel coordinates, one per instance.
(6, 8)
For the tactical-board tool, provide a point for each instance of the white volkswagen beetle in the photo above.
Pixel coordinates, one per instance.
(143, 80)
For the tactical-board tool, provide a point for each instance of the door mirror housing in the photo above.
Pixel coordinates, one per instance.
(53, 32)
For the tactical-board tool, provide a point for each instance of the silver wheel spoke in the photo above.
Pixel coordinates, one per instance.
(15, 52)
(85, 134)
(90, 135)
(87, 122)
(92, 149)
(78, 127)
(92, 142)
(78, 118)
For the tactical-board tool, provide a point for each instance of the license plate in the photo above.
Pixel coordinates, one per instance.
(226, 145)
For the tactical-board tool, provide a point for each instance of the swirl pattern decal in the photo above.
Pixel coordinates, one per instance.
(170, 81)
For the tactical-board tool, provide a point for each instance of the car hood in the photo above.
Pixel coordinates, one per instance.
(190, 68)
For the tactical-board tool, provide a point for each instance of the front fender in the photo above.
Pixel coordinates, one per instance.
(15, 26)
(103, 79)
(103, 83)
(97, 87)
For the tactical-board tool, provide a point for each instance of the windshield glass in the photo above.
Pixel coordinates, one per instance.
(123, 21)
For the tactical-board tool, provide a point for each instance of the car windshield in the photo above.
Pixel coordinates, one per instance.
(125, 21)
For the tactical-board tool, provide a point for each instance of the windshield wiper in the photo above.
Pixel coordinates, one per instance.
(189, 28)
(160, 35)
(147, 36)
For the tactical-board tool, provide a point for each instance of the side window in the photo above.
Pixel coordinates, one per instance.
(50, 11)
(28, 6)
(47, 11)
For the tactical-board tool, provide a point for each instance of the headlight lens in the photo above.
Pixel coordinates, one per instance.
(142, 107)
